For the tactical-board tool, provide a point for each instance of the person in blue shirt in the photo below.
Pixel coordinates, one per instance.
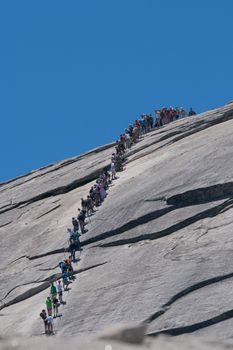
(65, 281)
(191, 112)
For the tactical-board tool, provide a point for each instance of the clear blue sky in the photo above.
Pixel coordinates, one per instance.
(74, 73)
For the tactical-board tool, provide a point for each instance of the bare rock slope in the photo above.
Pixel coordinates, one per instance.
(159, 249)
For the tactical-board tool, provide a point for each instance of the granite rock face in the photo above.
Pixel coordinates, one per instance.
(158, 250)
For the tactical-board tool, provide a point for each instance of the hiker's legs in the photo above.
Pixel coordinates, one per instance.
(81, 223)
(60, 297)
(50, 328)
(71, 272)
(55, 310)
(73, 255)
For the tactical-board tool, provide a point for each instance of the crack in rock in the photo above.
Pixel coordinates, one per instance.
(129, 225)
(49, 211)
(188, 198)
(165, 307)
(196, 326)
(21, 257)
(7, 223)
(157, 199)
(202, 195)
(52, 252)
(174, 228)
(49, 268)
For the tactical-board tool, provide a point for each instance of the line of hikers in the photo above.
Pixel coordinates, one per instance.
(94, 199)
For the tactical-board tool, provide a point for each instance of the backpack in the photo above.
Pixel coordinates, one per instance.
(62, 266)
(43, 316)
(72, 239)
(75, 223)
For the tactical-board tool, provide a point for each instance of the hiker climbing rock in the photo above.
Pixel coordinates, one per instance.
(75, 224)
(63, 266)
(81, 219)
(74, 244)
(53, 290)
(50, 324)
(191, 112)
(113, 171)
(43, 315)
(65, 281)
(70, 269)
(49, 305)
(59, 290)
(107, 175)
(84, 204)
(55, 307)
(90, 205)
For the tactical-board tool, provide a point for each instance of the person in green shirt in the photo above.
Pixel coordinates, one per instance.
(49, 305)
(53, 290)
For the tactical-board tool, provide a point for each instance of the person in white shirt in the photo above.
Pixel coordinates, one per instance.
(113, 171)
(183, 113)
(50, 324)
(59, 291)
(127, 140)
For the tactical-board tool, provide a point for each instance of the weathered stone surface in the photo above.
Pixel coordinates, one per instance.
(93, 343)
(158, 250)
(131, 333)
